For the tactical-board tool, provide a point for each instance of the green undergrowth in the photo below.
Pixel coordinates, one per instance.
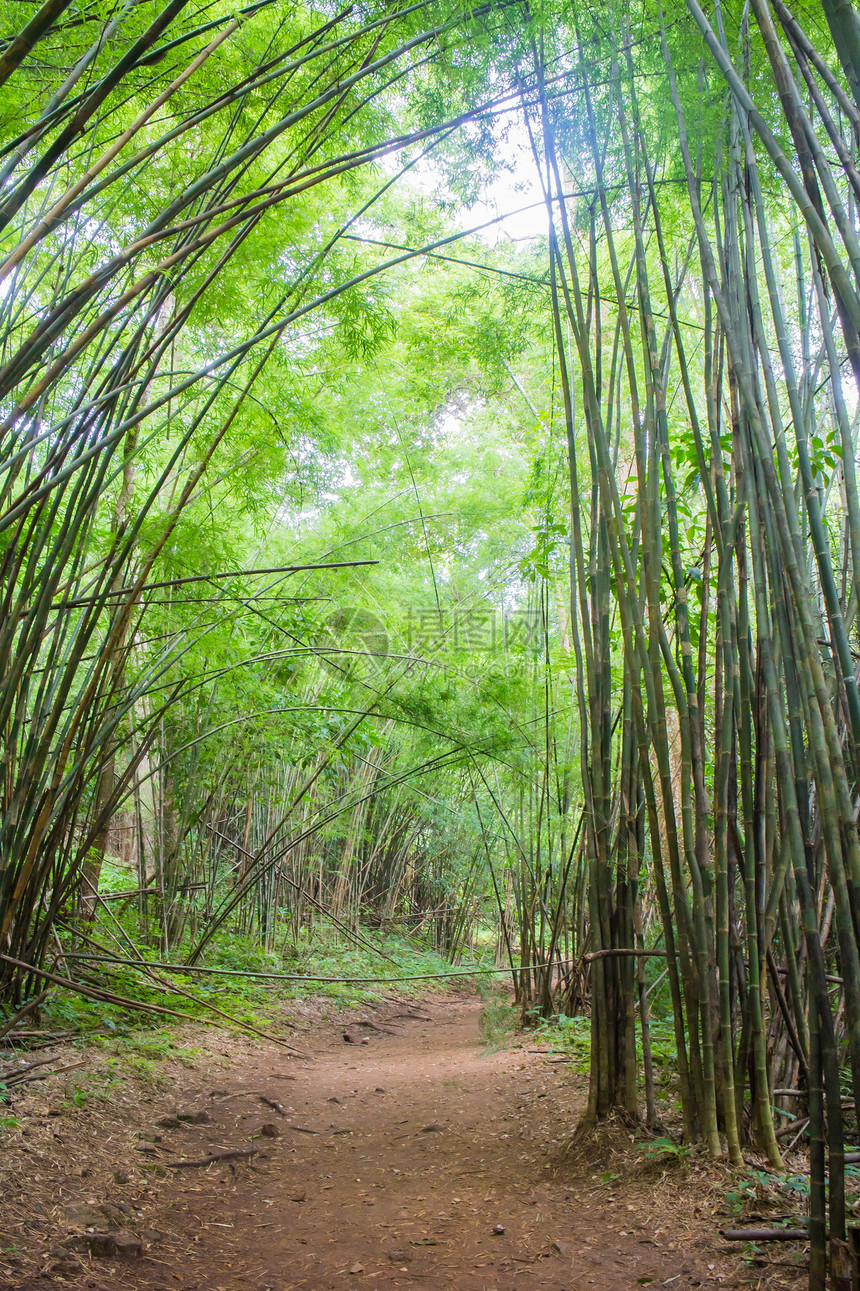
(499, 1015)
(567, 1038)
(265, 1005)
(571, 1037)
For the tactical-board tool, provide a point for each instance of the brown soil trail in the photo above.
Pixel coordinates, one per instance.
(432, 1164)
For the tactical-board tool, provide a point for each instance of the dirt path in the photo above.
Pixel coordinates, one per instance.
(431, 1164)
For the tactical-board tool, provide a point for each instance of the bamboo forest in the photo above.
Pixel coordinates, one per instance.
(430, 573)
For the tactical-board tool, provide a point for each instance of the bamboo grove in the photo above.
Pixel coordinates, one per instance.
(236, 272)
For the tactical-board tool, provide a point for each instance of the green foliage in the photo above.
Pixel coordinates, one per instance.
(665, 1151)
(322, 953)
(754, 1186)
(481, 523)
(498, 1020)
(567, 1037)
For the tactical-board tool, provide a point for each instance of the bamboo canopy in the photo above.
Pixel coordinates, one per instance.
(206, 263)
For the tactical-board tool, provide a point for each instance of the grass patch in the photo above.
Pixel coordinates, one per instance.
(144, 1040)
(498, 1019)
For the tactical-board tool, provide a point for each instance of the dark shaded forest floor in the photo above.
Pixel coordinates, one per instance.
(413, 1160)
